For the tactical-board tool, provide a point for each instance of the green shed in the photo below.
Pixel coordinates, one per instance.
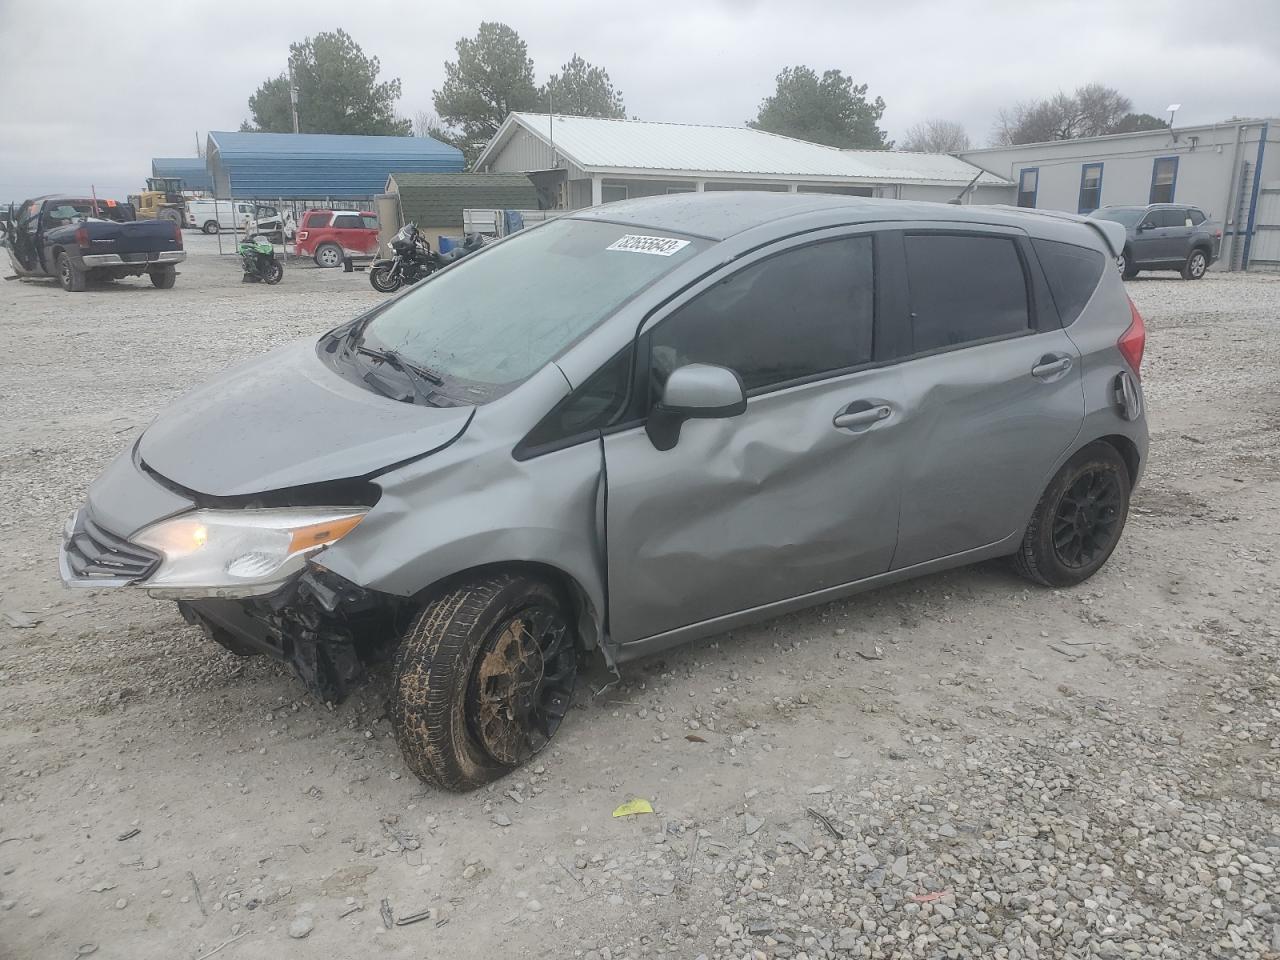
(435, 201)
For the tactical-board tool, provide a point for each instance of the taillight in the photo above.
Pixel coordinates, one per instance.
(1133, 341)
(302, 234)
(82, 237)
(177, 234)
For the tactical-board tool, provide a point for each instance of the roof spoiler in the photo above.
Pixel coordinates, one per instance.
(1113, 234)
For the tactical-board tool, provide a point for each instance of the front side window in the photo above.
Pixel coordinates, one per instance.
(964, 289)
(1090, 187)
(1028, 184)
(804, 312)
(1164, 176)
(499, 315)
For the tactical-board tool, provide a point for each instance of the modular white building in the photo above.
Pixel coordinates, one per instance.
(581, 161)
(1230, 170)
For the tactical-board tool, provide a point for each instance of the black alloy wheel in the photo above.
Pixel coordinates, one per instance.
(522, 684)
(1087, 521)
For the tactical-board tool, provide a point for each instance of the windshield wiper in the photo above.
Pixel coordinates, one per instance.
(415, 374)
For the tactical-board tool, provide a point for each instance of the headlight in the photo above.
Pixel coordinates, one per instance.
(239, 553)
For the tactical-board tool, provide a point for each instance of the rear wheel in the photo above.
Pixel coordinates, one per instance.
(164, 277)
(482, 680)
(210, 227)
(328, 255)
(1196, 266)
(70, 275)
(382, 280)
(1079, 519)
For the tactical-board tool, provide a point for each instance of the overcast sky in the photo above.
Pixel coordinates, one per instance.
(92, 90)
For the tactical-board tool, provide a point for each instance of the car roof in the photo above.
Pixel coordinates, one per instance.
(718, 215)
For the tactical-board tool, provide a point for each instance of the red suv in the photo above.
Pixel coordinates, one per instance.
(330, 235)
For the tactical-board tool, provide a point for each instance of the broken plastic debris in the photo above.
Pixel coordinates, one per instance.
(633, 807)
(929, 897)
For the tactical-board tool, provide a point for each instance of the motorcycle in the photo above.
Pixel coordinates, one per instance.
(413, 259)
(259, 259)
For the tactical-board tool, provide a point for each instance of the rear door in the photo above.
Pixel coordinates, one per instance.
(349, 232)
(796, 495)
(992, 393)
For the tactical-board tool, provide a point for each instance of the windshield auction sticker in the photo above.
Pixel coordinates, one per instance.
(658, 246)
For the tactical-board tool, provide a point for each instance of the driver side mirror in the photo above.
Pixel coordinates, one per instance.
(1145, 225)
(696, 391)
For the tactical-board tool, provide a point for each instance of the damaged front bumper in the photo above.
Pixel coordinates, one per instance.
(324, 626)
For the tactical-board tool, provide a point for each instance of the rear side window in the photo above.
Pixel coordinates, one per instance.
(798, 314)
(964, 289)
(1196, 217)
(348, 221)
(1073, 274)
(370, 223)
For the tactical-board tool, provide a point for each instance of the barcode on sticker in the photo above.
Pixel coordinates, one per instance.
(658, 246)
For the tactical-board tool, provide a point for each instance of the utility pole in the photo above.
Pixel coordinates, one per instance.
(293, 96)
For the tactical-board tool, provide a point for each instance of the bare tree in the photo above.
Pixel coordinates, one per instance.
(1092, 110)
(936, 136)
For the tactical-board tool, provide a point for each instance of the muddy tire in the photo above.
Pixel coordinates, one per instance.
(70, 275)
(482, 679)
(1079, 519)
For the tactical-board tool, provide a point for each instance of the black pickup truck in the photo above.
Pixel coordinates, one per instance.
(77, 240)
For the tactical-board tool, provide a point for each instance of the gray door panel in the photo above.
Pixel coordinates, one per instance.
(745, 511)
(981, 432)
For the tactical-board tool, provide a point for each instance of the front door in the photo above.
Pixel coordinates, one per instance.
(798, 494)
(992, 394)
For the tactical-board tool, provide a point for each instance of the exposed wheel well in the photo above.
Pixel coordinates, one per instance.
(587, 618)
(1128, 453)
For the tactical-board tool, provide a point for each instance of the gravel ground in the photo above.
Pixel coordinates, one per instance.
(961, 766)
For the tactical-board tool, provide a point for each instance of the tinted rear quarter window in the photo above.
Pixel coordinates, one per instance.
(964, 288)
(1073, 274)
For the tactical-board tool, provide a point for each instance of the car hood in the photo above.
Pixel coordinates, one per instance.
(285, 420)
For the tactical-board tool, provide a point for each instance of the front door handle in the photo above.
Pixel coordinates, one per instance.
(847, 419)
(1051, 366)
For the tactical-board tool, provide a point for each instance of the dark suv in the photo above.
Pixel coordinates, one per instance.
(1165, 236)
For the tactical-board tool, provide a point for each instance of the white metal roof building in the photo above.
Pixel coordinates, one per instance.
(581, 161)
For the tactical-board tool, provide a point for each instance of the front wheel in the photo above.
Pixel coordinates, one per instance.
(1125, 263)
(273, 273)
(1196, 265)
(1079, 519)
(383, 280)
(482, 680)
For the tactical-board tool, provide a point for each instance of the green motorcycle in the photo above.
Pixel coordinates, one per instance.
(260, 263)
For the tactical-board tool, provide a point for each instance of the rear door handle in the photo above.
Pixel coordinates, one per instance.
(861, 418)
(1050, 366)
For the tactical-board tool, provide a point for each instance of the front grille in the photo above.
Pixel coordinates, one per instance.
(96, 554)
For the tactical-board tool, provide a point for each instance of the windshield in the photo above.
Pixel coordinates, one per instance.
(500, 315)
(1129, 216)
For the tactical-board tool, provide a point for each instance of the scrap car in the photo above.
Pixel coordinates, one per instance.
(77, 240)
(632, 427)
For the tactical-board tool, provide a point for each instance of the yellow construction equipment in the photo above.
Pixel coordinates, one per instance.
(162, 200)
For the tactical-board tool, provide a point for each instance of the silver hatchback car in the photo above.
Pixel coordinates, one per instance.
(637, 425)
